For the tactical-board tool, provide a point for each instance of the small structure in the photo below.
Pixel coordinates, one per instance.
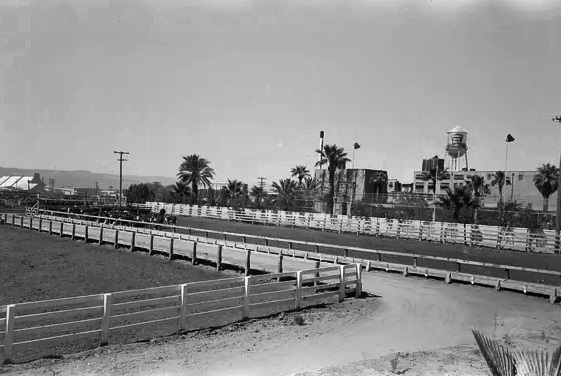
(32, 184)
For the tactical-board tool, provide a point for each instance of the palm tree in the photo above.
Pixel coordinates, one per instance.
(477, 184)
(500, 180)
(258, 194)
(458, 199)
(380, 181)
(546, 182)
(237, 192)
(180, 192)
(300, 172)
(286, 193)
(195, 170)
(479, 188)
(310, 184)
(434, 176)
(335, 158)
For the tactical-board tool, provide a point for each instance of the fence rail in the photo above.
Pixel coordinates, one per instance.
(254, 256)
(189, 306)
(510, 238)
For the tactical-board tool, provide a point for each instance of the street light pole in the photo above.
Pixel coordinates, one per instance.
(558, 216)
(121, 174)
(355, 146)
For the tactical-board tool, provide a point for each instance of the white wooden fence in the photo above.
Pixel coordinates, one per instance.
(513, 238)
(254, 256)
(187, 307)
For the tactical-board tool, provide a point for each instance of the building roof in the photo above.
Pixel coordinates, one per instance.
(17, 182)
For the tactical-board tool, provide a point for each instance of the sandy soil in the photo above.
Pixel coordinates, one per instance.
(427, 322)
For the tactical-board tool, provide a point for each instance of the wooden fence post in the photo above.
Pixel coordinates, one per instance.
(105, 321)
(116, 239)
(50, 227)
(298, 299)
(183, 309)
(21, 221)
(40, 224)
(31, 223)
(247, 261)
(219, 258)
(266, 242)
(341, 283)
(279, 266)
(13, 219)
(101, 235)
(317, 266)
(151, 246)
(194, 254)
(133, 240)
(247, 285)
(9, 334)
(171, 249)
(358, 280)
(73, 236)
(289, 245)
(61, 229)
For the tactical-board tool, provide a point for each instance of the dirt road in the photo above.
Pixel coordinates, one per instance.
(426, 321)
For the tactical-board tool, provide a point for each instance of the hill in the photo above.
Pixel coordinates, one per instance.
(83, 178)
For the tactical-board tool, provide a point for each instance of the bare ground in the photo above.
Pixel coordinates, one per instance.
(410, 326)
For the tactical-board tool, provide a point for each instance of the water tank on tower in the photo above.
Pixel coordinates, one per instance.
(456, 146)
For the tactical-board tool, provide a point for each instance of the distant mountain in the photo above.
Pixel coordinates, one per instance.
(83, 178)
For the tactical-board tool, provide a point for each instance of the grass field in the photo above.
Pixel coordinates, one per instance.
(35, 266)
(406, 246)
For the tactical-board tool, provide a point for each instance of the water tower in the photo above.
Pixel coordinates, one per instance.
(456, 148)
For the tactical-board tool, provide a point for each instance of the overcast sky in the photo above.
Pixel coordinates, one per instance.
(249, 85)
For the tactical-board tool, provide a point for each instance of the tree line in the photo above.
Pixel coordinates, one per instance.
(296, 192)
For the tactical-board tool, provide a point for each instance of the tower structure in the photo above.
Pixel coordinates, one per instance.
(456, 148)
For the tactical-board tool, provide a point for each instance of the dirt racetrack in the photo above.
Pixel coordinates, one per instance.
(427, 322)
(406, 246)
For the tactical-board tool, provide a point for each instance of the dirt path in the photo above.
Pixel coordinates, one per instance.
(426, 321)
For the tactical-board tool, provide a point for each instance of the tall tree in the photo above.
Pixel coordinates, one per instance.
(258, 194)
(195, 171)
(238, 193)
(546, 181)
(500, 180)
(458, 199)
(434, 176)
(310, 184)
(336, 158)
(285, 190)
(479, 188)
(381, 184)
(300, 172)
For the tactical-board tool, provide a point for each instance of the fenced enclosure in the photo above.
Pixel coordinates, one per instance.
(523, 278)
(177, 308)
(510, 238)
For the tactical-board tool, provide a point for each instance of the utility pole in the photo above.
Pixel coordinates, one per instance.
(262, 182)
(558, 216)
(52, 185)
(121, 160)
(96, 183)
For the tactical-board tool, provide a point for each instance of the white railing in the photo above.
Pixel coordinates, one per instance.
(513, 238)
(184, 307)
(214, 247)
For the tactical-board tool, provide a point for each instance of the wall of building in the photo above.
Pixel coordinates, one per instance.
(523, 190)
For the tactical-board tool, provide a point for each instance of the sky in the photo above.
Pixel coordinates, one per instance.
(249, 85)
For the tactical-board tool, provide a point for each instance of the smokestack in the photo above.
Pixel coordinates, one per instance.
(320, 144)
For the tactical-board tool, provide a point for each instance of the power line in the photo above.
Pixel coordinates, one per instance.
(121, 160)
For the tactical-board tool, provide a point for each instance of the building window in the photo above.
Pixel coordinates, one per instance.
(419, 176)
(458, 177)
